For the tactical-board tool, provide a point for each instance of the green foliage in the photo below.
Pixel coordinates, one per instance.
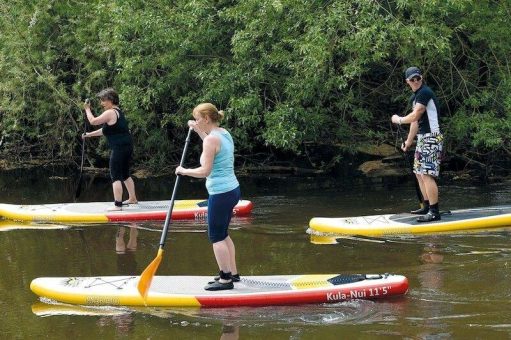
(287, 72)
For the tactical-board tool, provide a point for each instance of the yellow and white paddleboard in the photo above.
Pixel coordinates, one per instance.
(403, 224)
(188, 291)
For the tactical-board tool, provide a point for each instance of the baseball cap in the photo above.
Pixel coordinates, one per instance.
(412, 72)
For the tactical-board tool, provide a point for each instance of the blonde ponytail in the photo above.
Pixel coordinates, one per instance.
(209, 110)
(221, 115)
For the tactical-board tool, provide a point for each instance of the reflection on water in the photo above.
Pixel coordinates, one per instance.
(459, 284)
(126, 260)
(8, 225)
(122, 319)
(346, 312)
(123, 324)
(230, 332)
(120, 243)
(431, 280)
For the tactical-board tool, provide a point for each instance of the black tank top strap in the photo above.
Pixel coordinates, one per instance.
(118, 112)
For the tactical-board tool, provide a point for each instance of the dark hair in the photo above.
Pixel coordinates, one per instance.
(109, 94)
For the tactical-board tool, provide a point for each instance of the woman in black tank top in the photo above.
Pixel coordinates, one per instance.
(115, 129)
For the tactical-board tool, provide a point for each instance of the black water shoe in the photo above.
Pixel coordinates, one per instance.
(429, 217)
(217, 285)
(226, 276)
(422, 211)
(235, 278)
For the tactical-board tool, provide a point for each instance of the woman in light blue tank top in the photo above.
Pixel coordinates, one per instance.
(217, 166)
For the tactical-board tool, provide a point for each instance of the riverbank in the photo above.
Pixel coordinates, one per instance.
(372, 168)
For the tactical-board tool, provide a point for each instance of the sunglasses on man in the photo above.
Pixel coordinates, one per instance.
(415, 79)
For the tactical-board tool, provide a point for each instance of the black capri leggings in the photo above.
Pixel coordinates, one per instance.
(120, 160)
(220, 212)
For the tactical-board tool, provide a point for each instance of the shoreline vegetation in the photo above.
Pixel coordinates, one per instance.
(307, 87)
(371, 162)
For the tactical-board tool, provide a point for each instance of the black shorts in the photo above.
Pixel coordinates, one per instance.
(120, 160)
(220, 212)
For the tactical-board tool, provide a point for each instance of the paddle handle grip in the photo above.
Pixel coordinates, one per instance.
(168, 218)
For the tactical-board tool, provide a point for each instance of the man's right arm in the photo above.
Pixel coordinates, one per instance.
(414, 128)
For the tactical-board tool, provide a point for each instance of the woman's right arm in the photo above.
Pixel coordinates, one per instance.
(193, 124)
(108, 116)
(209, 149)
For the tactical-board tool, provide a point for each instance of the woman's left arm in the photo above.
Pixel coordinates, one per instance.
(209, 149)
(96, 133)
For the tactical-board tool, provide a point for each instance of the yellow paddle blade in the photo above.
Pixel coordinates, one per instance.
(147, 275)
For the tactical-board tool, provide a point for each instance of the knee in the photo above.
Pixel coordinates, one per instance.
(217, 238)
(217, 242)
(428, 179)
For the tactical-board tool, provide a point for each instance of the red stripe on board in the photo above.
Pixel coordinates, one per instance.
(328, 295)
(199, 213)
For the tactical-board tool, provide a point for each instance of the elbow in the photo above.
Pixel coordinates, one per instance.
(206, 172)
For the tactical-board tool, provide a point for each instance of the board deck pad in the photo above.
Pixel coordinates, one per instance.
(97, 212)
(188, 291)
(379, 225)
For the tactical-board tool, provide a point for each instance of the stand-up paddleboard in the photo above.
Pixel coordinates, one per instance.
(402, 224)
(97, 212)
(188, 291)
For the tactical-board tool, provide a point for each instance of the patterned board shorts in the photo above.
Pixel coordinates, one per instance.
(428, 154)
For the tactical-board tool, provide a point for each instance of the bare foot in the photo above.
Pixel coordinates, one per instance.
(127, 202)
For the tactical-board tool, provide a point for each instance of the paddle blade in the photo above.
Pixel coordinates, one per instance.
(147, 275)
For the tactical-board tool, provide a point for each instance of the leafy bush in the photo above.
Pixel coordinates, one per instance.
(287, 72)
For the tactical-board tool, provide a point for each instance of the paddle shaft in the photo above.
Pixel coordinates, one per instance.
(410, 166)
(168, 218)
(83, 146)
(79, 186)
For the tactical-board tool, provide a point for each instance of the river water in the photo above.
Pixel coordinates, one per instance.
(459, 284)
